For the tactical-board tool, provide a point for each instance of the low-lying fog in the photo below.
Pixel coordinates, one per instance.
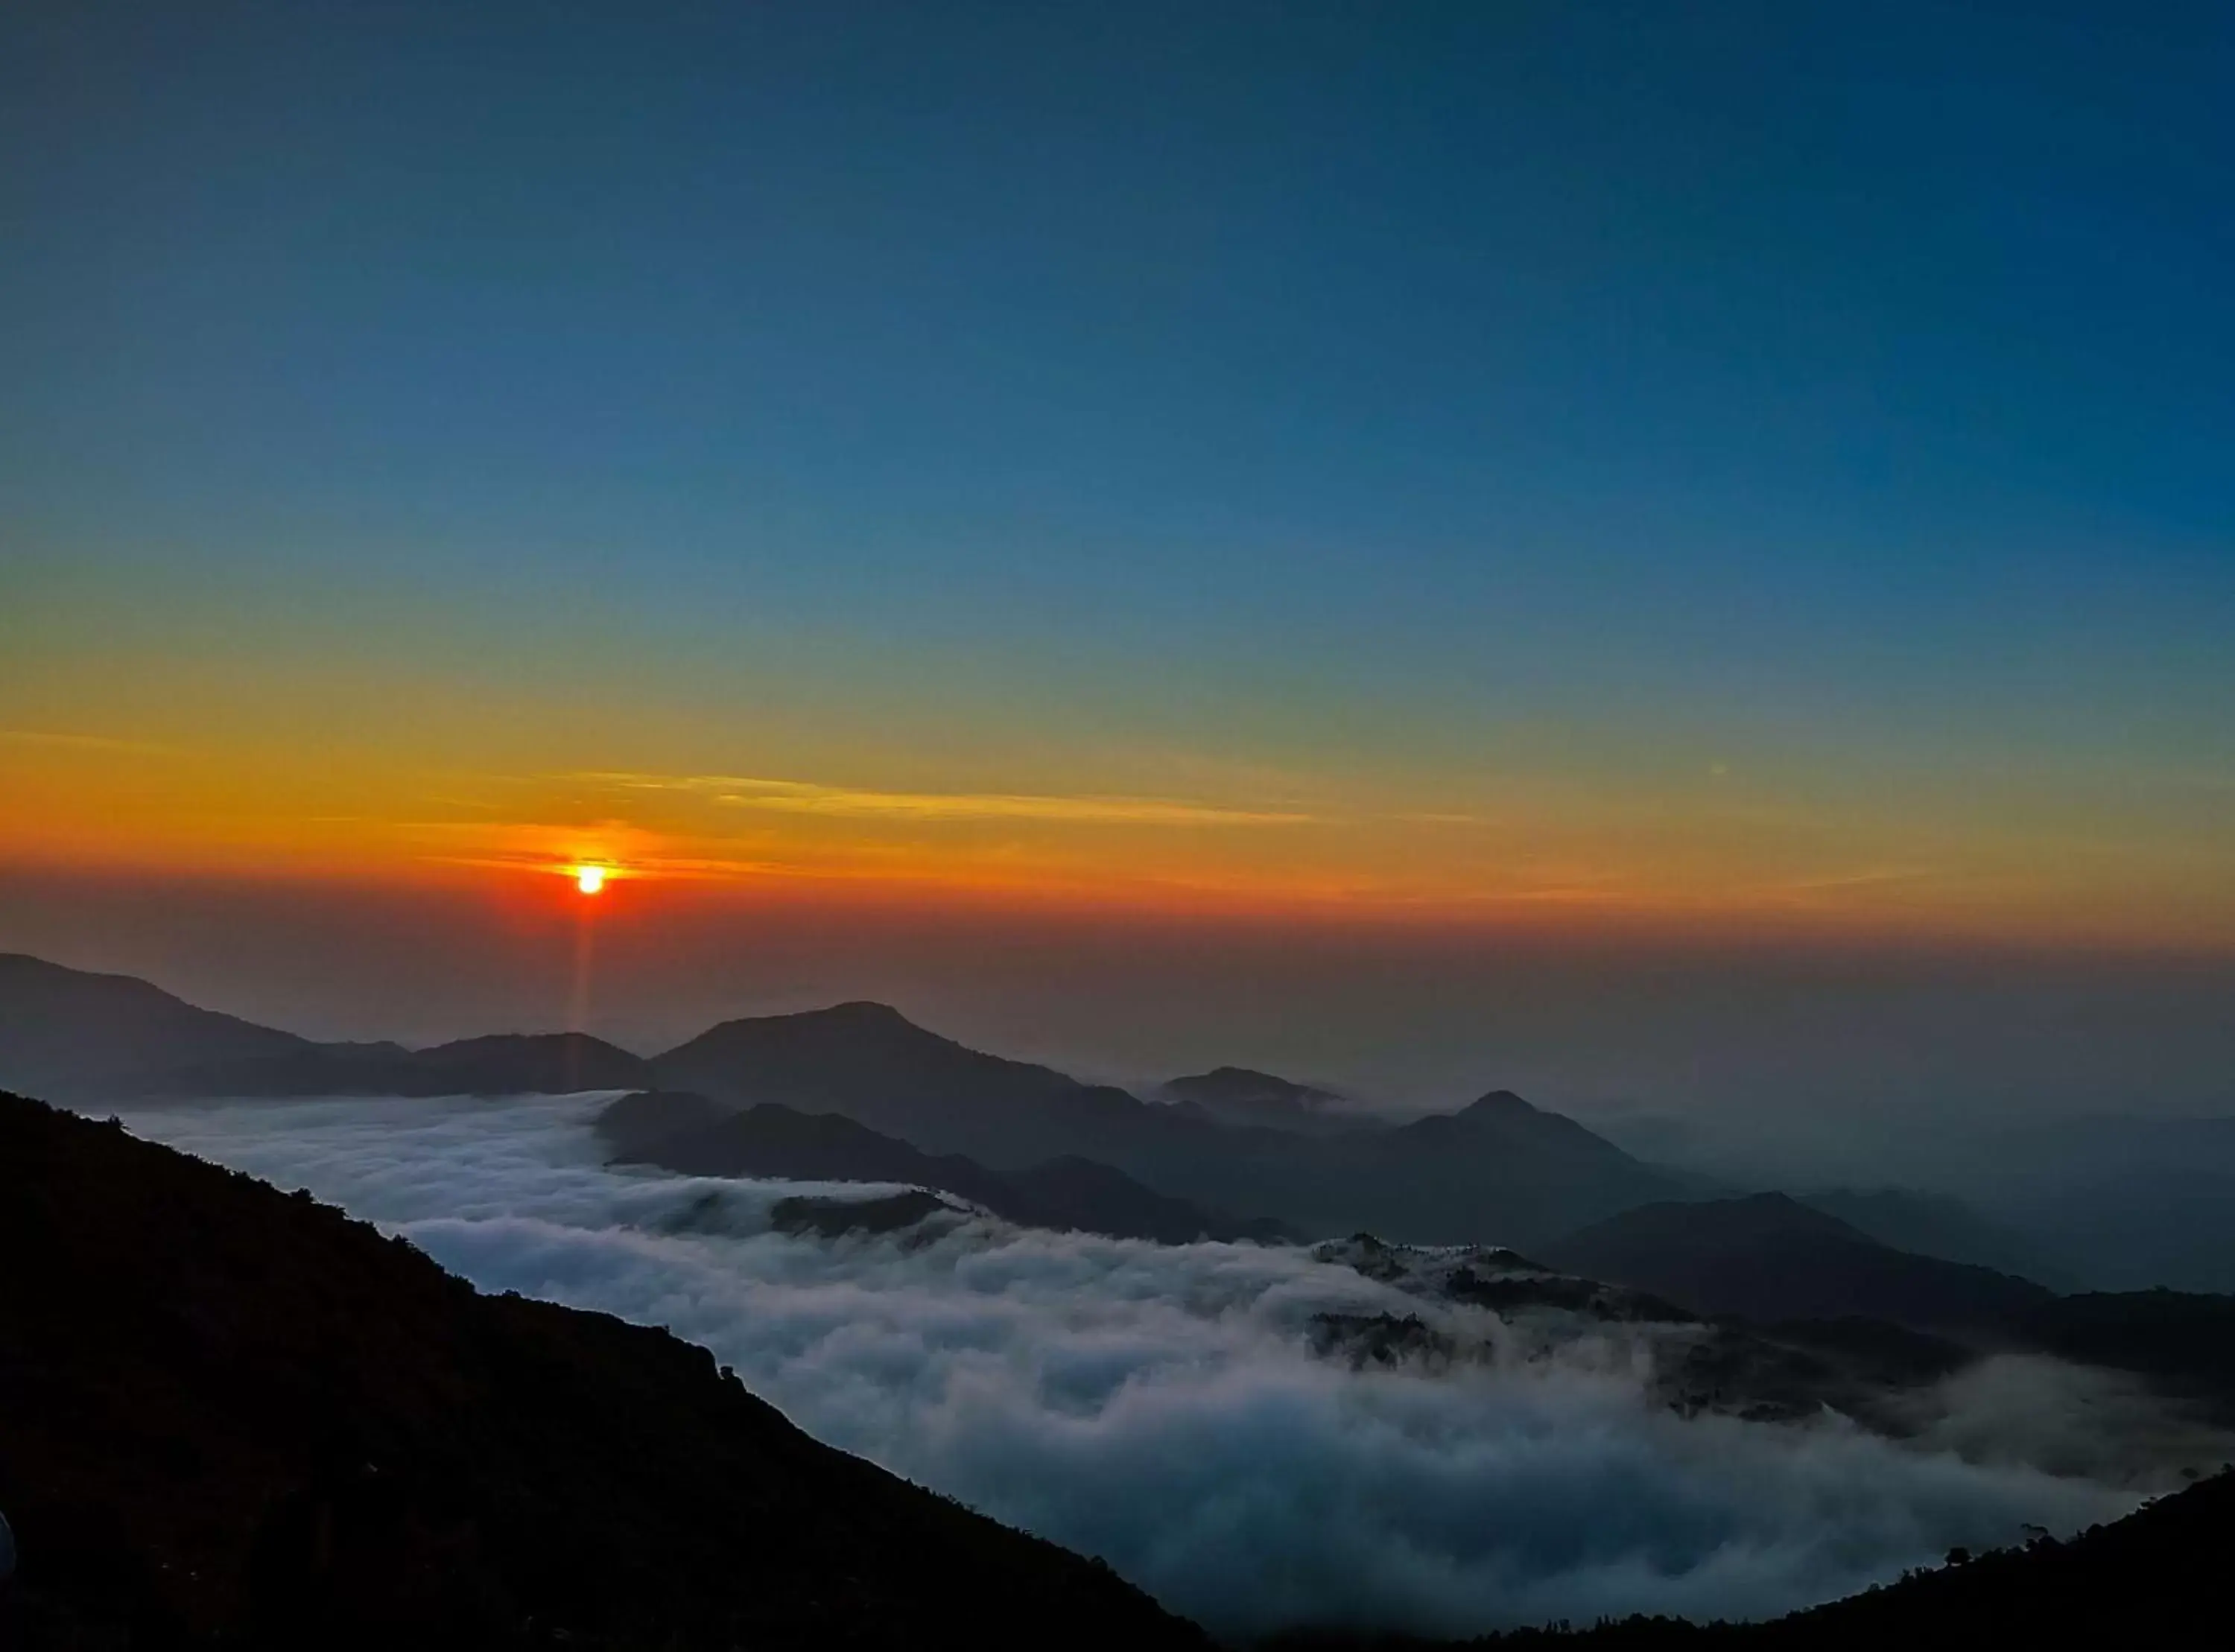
(1162, 1407)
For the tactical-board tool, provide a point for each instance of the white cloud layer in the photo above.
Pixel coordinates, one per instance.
(1159, 1406)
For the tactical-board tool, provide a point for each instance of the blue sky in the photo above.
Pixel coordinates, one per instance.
(1391, 400)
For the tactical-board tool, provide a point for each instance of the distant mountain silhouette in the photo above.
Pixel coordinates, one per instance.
(871, 1063)
(84, 1037)
(1769, 1258)
(236, 1417)
(689, 1134)
(1500, 1170)
(79, 1036)
(1097, 1198)
(1241, 1095)
(497, 1064)
(1934, 1225)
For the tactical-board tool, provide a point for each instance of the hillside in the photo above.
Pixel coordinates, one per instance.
(234, 1416)
(1769, 1258)
(871, 1063)
(1935, 1225)
(78, 1035)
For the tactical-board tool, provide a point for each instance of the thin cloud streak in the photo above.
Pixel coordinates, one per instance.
(79, 742)
(807, 797)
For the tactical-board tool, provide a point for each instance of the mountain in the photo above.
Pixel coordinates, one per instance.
(871, 1063)
(498, 1064)
(1770, 1258)
(1095, 1198)
(236, 1417)
(1500, 1170)
(1934, 1225)
(691, 1134)
(1241, 1095)
(87, 1037)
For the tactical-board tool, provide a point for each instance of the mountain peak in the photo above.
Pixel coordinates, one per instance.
(1500, 1104)
(868, 1011)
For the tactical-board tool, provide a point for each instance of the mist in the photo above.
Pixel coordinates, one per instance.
(1160, 1407)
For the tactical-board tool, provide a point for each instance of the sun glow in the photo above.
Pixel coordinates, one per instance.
(589, 879)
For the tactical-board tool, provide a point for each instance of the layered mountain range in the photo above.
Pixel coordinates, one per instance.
(857, 1092)
(1498, 1168)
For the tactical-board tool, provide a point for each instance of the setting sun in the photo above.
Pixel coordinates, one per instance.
(589, 879)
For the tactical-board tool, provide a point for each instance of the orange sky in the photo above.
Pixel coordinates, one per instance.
(1705, 851)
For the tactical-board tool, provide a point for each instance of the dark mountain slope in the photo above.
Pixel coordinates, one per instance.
(1093, 1197)
(698, 1136)
(1770, 1258)
(231, 1416)
(1498, 1171)
(82, 1037)
(871, 1063)
(1933, 1225)
(85, 1037)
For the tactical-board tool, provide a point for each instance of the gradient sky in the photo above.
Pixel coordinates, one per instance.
(1706, 471)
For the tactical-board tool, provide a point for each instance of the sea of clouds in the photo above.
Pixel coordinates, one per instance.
(1161, 1407)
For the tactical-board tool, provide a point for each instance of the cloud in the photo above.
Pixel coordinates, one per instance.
(806, 797)
(1160, 1407)
(78, 742)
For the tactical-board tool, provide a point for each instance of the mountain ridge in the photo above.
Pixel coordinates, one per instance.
(1500, 1171)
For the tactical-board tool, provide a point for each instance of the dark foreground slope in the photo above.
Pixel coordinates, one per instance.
(233, 1416)
(2157, 1579)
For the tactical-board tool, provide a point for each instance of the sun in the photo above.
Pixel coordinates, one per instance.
(589, 879)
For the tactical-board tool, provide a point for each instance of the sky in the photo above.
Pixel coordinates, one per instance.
(1557, 481)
